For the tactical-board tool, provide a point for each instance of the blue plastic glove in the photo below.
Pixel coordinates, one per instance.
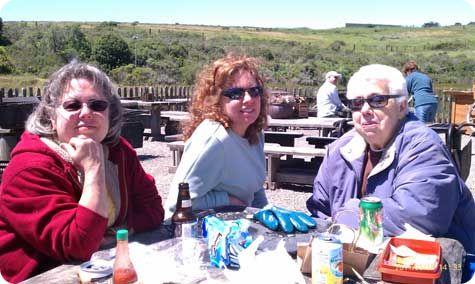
(274, 217)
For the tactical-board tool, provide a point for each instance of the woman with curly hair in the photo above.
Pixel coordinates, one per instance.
(223, 160)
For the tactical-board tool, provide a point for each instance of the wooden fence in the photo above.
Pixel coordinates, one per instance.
(159, 93)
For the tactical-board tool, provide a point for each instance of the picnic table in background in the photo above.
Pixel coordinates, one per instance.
(338, 124)
(152, 118)
(319, 141)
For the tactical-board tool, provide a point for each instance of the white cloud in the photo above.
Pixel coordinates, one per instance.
(3, 3)
(471, 3)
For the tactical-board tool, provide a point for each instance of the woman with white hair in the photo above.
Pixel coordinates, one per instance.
(392, 155)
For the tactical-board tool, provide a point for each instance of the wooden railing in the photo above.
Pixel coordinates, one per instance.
(159, 93)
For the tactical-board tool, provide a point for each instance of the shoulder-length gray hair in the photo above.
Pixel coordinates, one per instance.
(40, 120)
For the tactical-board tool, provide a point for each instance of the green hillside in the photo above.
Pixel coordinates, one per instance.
(150, 54)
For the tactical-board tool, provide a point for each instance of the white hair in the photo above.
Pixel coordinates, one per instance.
(373, 73)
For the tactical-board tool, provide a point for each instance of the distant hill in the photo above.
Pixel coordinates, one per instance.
(355, 25)
(140, 53)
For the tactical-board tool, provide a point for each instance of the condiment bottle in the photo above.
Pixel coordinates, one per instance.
(124, 271)
(183, 219)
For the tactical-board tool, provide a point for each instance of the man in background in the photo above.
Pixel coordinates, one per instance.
(328, 101)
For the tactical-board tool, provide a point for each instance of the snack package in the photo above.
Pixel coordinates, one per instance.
(226, 239)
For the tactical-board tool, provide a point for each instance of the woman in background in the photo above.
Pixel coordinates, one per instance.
(72, 179)
(419, 85)
(223, 160)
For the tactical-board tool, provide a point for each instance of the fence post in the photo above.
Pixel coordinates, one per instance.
(23, 92)
(166, 92)
(10, 93)
(2, 92)
(154, 92)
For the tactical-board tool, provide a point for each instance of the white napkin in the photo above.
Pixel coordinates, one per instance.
(413, 233)
(274, 266)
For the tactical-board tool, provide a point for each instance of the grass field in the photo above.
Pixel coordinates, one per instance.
(291, 57)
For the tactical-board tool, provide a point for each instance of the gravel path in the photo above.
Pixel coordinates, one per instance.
(156, 159)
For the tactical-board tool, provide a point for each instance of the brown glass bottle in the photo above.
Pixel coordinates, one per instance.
(183, 219)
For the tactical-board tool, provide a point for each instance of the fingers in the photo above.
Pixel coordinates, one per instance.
(287, 220)
(84, 152)
(267, 218)
(68, 148)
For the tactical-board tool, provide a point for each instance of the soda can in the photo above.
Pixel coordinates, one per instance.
(371, 223)
(327, 260)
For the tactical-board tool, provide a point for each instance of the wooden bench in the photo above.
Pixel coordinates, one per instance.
(320, 141)
(282, 138)
(292, 170)
(276, 172)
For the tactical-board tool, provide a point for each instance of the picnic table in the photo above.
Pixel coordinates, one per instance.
(282, 138)
(320, 141)
(452, 251)
(319, 123)
(156, 108)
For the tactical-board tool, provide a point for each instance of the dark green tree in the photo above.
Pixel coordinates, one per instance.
(6, 67)
(78, 42)
(111, 51)
(3, 39)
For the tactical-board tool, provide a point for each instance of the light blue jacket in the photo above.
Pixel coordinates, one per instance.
(415, 179)
(217, 163)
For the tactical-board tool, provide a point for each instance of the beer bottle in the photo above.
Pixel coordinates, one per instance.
(183, 219)
(124, 271)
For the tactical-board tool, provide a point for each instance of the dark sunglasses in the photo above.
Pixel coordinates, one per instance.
(238, 93)
(94, 105)
(376, 101)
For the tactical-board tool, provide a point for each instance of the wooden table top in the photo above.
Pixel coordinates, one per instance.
(310, 122)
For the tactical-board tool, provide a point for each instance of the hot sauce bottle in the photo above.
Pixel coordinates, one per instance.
(124, 271)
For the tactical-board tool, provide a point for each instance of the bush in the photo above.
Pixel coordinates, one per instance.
(6, 67)
(111, 52)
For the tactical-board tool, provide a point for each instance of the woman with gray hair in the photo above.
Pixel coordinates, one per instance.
(72, 180)
(395, 157)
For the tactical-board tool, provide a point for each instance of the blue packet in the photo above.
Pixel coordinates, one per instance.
(226, 239)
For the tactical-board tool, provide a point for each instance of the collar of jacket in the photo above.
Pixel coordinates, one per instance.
(356, 148)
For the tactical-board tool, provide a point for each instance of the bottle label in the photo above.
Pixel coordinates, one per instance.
(185, 230)
(186, 203)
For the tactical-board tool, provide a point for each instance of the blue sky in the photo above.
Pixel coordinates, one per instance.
(315, 14)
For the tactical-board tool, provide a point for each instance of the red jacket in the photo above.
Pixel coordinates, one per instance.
(41, 223)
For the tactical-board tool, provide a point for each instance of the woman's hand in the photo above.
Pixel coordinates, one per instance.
(87, 154)
(233, 200)
(88, 157)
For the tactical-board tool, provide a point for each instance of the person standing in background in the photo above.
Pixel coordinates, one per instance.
(419, 85)
(223, 160)
(328, 100)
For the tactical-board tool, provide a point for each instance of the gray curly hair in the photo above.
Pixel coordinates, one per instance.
(39, 122)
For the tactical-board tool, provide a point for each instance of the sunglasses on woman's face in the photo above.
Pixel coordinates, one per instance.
(376, 101)
(94, 105)
(238, 93)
